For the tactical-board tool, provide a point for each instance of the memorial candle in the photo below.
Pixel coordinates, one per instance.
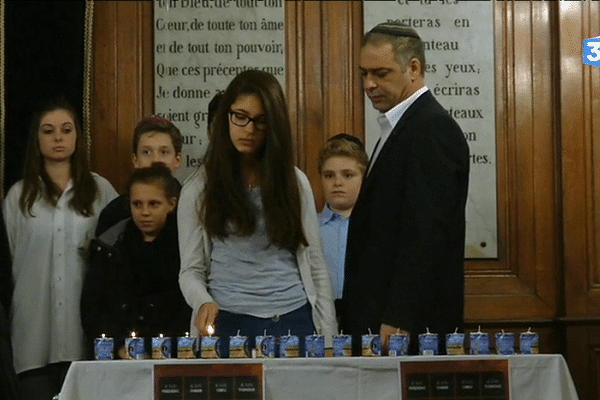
(505, 343)
(398, 345)
(479, 342)
(428, 343)
(135, 346)
(104, 348)
(342, 345)
(455, 343)
(209, 345)
(371, 345)
(239, 346)
(265, 346)
(161, 347)
(314, 345)
(186, 346)
(289, 346)
(529, 342)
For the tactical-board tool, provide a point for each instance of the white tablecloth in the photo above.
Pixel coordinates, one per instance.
(543, 377)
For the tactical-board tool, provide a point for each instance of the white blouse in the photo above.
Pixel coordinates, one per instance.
(48, 270)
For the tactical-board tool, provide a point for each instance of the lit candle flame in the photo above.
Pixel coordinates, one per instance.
(210, 330)
(103, 336)
(132, 334)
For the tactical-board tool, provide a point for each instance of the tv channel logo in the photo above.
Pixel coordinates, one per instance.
(591, 51)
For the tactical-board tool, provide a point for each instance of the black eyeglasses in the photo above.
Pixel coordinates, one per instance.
(241, 119)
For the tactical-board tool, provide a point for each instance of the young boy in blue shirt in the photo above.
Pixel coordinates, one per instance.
(342, 165)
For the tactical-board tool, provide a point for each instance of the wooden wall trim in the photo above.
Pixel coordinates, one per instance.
(323, 85)
(122, 83)
(580, 125)
(522, 282)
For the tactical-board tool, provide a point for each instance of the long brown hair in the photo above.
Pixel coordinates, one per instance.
(226, 208)
(36, 181)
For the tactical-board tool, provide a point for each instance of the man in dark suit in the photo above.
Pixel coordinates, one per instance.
(405, 250)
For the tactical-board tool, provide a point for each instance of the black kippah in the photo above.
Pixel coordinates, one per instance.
(394, 29)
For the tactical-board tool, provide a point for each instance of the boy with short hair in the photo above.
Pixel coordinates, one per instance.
(342, 165)
(155, 139)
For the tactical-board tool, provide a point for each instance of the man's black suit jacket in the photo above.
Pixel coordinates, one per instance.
(406, 236)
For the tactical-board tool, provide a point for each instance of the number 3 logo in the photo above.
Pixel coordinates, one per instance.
(591, 51)
(595, 49)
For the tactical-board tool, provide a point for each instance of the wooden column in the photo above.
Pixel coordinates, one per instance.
(122, 83)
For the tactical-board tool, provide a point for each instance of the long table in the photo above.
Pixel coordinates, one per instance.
(543, 377)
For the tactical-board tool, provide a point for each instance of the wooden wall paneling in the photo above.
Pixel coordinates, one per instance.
(147, 56)
(580, 111)
(104, 92)
(343, 106)
(521, 283)
(304, 77)
(122, 83)
(580, 151)
(546, 168)
(583, 350)
(323, 86)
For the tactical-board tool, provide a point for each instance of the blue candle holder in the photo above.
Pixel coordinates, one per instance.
(315, 346)
(479, 343)
(342, 345)
(529, 342)
(399, 344)
(104, 348)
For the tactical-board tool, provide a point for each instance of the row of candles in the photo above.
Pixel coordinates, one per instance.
(289, 345)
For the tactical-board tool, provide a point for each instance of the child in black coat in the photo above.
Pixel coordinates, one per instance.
(132, 284)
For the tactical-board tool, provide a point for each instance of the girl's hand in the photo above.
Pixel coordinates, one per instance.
(206, 316)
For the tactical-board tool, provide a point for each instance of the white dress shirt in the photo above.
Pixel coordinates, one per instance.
(47, 252)
(388, 121)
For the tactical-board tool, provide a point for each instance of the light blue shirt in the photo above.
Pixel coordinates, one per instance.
(250, 276)
(334, 234)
